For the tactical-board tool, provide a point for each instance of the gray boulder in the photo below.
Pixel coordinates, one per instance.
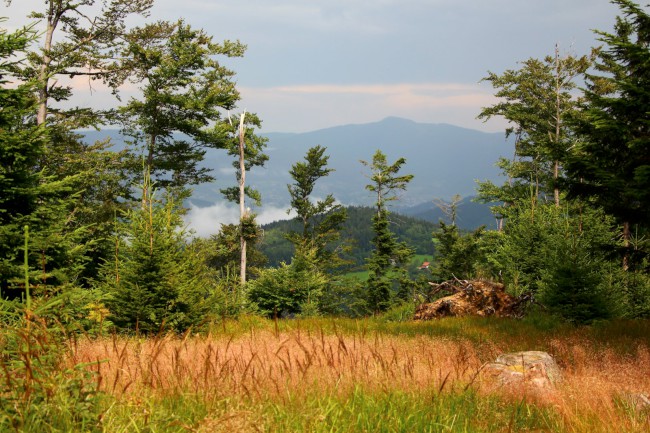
(532, 368)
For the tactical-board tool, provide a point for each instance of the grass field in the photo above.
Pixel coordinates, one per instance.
(338, 375)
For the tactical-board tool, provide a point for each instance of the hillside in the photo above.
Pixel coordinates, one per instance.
(357, 230)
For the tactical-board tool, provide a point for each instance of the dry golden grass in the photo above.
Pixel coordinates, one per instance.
(266, 365)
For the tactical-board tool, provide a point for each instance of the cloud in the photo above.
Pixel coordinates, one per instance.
(205, 221)
(306, 107)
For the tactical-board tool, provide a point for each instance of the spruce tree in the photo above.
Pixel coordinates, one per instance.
(386, 264)
(321, 220)
(21, 145)
(611, 167)
(155, 281)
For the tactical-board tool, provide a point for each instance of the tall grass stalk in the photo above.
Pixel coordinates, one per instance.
(28, 298)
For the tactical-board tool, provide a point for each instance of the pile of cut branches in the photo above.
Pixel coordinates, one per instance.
(472, 298)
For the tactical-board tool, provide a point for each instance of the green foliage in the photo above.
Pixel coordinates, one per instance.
(155, 280)
(355, 231)
(30, 194)
(457, 255)
(38, 390)
(386, 265)
(221, 254)
(575, 266)
(387, 273)
(401, 312)
(22, 146)
(251, 155)
(537, 100)
(385, 181)
(633, 289)
(82, 38)
(561, 254)
(610, 167)
(291, 289)
(321, 220)
(184, 90)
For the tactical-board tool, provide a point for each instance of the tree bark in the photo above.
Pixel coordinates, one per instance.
(53, 17)
(242, 199)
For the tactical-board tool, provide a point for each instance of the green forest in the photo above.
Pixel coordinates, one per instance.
(93, 242)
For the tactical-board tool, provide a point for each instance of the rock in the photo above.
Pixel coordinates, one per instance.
(640, 402)
(471, 298)
(533, 368)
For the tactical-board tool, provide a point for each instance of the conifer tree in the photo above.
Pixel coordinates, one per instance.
(30, 196)
(610, 166)
(248, 148)
(184, 90)
(321, 220)
(22, 143)
(385, 266)
(155, 281)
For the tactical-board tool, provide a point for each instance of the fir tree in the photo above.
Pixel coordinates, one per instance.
(611, 167)
(321, 220)
(155, 281)
(386, 264)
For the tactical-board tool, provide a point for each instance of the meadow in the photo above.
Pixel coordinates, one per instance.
(344, 375)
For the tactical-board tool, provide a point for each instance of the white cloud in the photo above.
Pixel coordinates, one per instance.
(205, 221)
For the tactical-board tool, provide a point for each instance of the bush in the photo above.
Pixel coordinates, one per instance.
(286, 291)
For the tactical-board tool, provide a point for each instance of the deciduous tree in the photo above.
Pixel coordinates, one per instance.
(184, 90)
(537, 100)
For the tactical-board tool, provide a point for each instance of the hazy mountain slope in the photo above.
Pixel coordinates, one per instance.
(470, 215)
(445, 160)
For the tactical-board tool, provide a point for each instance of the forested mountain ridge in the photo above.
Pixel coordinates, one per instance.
(357, 232)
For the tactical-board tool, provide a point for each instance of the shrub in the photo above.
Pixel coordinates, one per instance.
(286, 291)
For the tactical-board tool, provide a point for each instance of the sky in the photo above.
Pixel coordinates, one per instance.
(313, 64)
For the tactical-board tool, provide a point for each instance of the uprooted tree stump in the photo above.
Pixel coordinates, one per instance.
(472, 298)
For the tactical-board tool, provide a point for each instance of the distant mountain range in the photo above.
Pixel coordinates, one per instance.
(470, 215)
(444, 159)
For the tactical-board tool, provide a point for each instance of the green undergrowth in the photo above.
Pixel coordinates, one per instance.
(358, 411)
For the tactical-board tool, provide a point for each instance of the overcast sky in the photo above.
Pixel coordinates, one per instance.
(312, 64)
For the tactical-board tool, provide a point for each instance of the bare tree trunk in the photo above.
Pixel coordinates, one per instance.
(242, 199)
(556, 169)
(43, 93)
(148, 166)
